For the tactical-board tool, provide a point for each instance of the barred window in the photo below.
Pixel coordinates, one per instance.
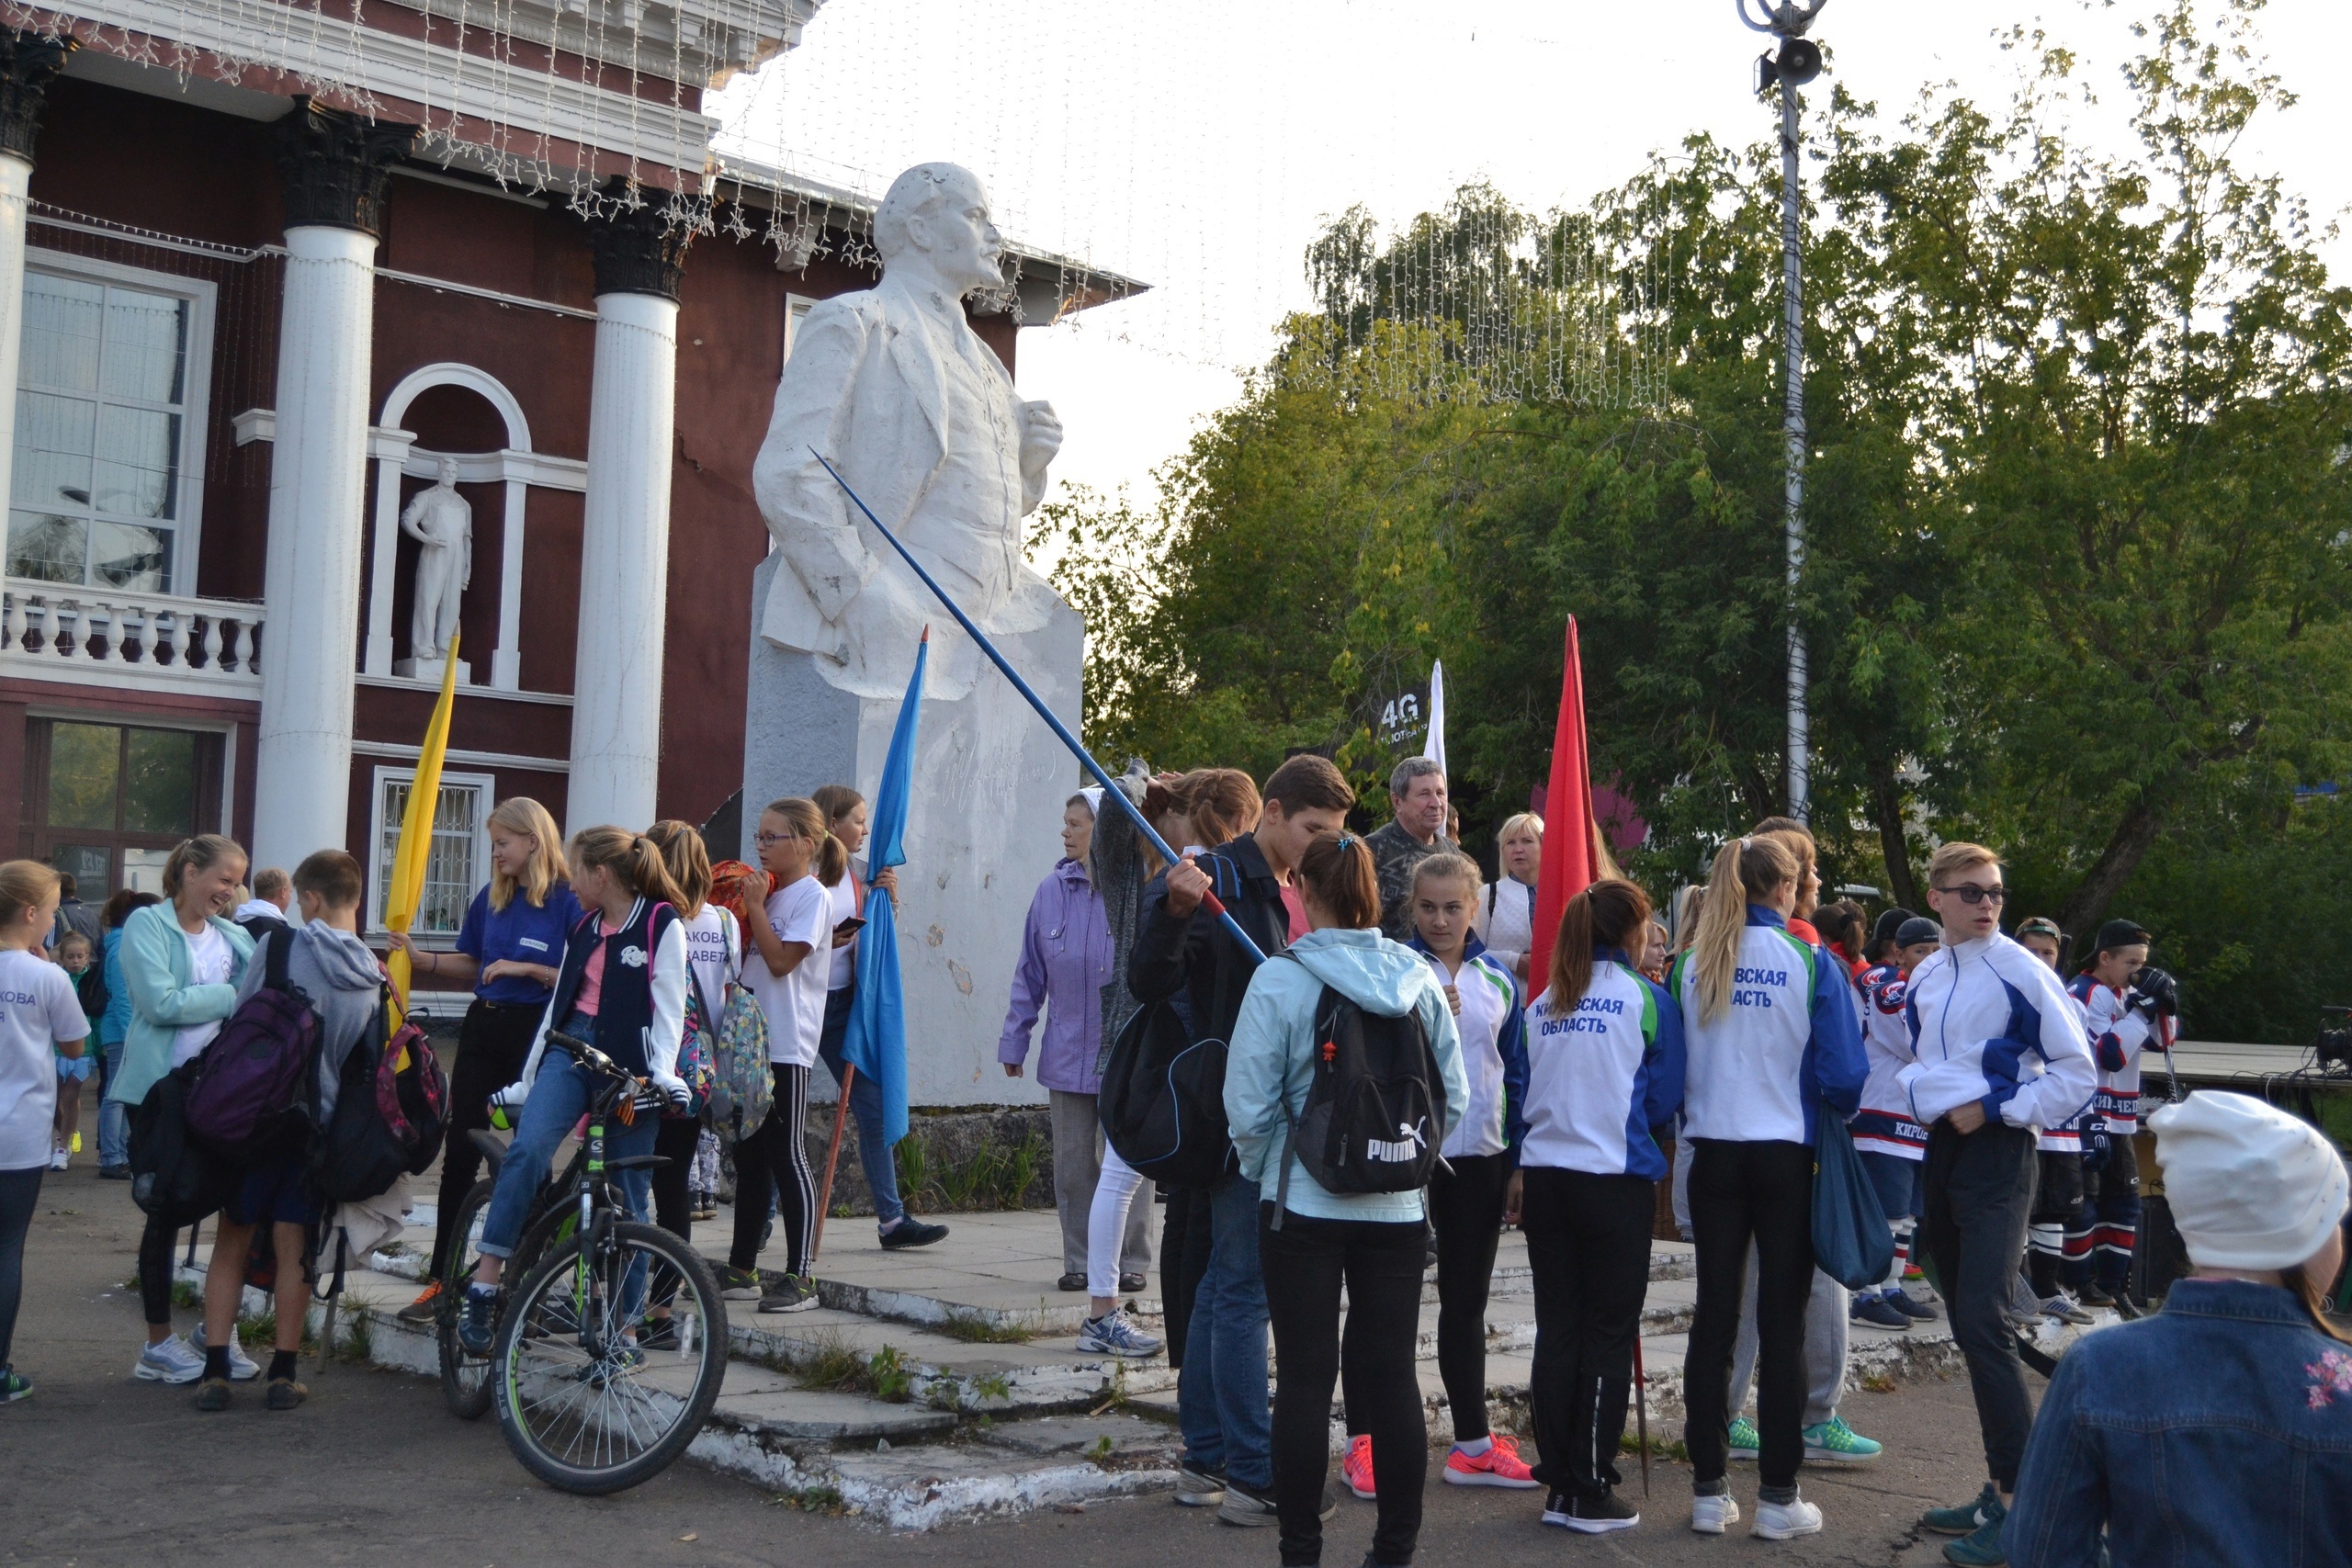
(458, 862)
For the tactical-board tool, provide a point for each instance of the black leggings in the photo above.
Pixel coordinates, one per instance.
(18, 1192)
(1305, 1264)
(1466, 1208)
(674, 1211)
(155, 1271)
(1743, 1193)
(775, 1158)
(1589, 1248)
(492, 1045)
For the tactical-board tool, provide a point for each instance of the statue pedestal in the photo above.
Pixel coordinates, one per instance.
(432, 670)
(983, 829)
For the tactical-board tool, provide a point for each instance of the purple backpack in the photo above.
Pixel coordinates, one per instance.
(249, 1103)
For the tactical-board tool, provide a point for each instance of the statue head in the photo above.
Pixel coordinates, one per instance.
(446, 470)
(934, 219)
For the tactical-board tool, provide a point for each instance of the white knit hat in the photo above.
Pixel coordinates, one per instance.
(2250, 1186)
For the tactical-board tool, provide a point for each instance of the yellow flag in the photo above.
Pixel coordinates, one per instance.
(416, 827)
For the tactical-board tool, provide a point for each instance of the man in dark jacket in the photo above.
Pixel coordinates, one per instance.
(1417, 793)
(1221, 1391)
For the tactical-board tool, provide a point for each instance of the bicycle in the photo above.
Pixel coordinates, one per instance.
(594, 1393)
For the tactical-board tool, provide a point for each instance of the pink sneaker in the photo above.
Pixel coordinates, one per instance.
(1499, 1466)
(1356, 1469)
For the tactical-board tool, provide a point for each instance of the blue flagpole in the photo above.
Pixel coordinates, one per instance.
(1111, 789)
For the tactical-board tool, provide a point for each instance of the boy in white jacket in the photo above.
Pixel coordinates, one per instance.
(2001, 1054)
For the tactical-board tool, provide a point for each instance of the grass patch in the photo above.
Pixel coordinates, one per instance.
(992, 1385)
(360, 1342)
(995, 1176)
(811, 1500)
(973, 1329)
(1659, 1447)
(186, 1293)
(832, 1363)
(1879, 1382)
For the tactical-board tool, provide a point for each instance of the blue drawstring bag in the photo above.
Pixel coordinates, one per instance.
(1852, 1242)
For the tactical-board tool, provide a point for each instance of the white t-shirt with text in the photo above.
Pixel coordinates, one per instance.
(795, 1003)
(38, 1008)
(209, 963)
(714, 949)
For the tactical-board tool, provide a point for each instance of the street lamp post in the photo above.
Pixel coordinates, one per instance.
(1797, 63)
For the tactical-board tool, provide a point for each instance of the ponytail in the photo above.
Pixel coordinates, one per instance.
(635, 858)
(1745, 869)
(1338, 872)
(829, 857)
(1609, 913)
(688, 860)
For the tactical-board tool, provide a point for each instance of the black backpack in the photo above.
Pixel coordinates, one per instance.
(175, 1179)
(1162, 1101)
(1375, 1103)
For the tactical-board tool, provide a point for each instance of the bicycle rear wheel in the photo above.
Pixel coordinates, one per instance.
(465, 1380)
(593, 1397)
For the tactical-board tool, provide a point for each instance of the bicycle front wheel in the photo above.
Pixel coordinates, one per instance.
(465, 1380)
(595, 1394)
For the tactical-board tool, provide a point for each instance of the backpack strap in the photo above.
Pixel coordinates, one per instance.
(1290, 1122)
(276, 947)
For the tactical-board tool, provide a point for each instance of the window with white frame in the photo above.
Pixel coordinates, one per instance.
(110, 403)
(796, 311)
(458, 862)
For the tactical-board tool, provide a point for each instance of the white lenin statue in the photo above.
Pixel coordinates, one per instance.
(921, 416)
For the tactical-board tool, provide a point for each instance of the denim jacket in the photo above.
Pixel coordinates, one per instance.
(2217, 1432)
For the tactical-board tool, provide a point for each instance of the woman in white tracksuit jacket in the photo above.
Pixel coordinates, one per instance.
(2001, 1054)
(1773, 1046)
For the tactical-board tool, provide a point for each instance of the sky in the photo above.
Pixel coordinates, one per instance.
(1200, 147)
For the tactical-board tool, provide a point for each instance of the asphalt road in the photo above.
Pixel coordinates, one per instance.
(100, 1469)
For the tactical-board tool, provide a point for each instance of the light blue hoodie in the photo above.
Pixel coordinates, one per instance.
(1271, 1058)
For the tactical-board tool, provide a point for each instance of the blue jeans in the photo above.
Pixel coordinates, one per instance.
(873, 1155)
(1221, 1394)
(560, 1096)
(114, 1117)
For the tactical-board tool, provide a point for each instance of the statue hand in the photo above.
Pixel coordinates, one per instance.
(1041, 436)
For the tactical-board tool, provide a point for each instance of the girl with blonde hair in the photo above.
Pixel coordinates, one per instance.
(621, 987)
(181, 962)
(507, 950)
(1772, 1038)
(41, 1023)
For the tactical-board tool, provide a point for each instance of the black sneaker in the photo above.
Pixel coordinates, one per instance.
(739, 1284)
(911, 1231)
(790, 1292)
(1249, 1506)
(1197, 1487)
(2095, 1295)
(1909, 1304)
(1878, 1314)
(478, 1324)
(1593, 1516)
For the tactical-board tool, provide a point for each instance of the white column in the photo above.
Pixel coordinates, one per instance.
(391, 452)
(506, 661)
(16, 175)
(317, 492)
(624, 563)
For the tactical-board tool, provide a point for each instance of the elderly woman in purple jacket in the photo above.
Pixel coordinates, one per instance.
(1065, 960)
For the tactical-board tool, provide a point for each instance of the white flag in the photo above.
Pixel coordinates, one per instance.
(1435, 750)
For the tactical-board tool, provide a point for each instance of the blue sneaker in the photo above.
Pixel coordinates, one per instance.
(1836, 1442)
(478, 1323)
(1745, 1442)
(1969, 1517)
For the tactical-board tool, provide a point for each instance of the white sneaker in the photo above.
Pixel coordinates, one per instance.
(1114, 1334)
(242, 1367)
(171, 1362)
(1786, 1521)
(57, 1159)
(1709, 1516)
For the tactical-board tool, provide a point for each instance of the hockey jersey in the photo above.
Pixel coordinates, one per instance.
(1884, 1125)
(2119, 1032)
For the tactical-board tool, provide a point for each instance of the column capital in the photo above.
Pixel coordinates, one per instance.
(28, 62)
(638, 250)
(336, 165)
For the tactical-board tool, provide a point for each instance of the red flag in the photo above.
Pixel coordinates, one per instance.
(1568, 819)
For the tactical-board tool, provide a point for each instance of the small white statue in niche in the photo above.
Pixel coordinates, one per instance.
(442, 523)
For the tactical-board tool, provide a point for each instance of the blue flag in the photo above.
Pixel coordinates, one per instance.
(875, 1043)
